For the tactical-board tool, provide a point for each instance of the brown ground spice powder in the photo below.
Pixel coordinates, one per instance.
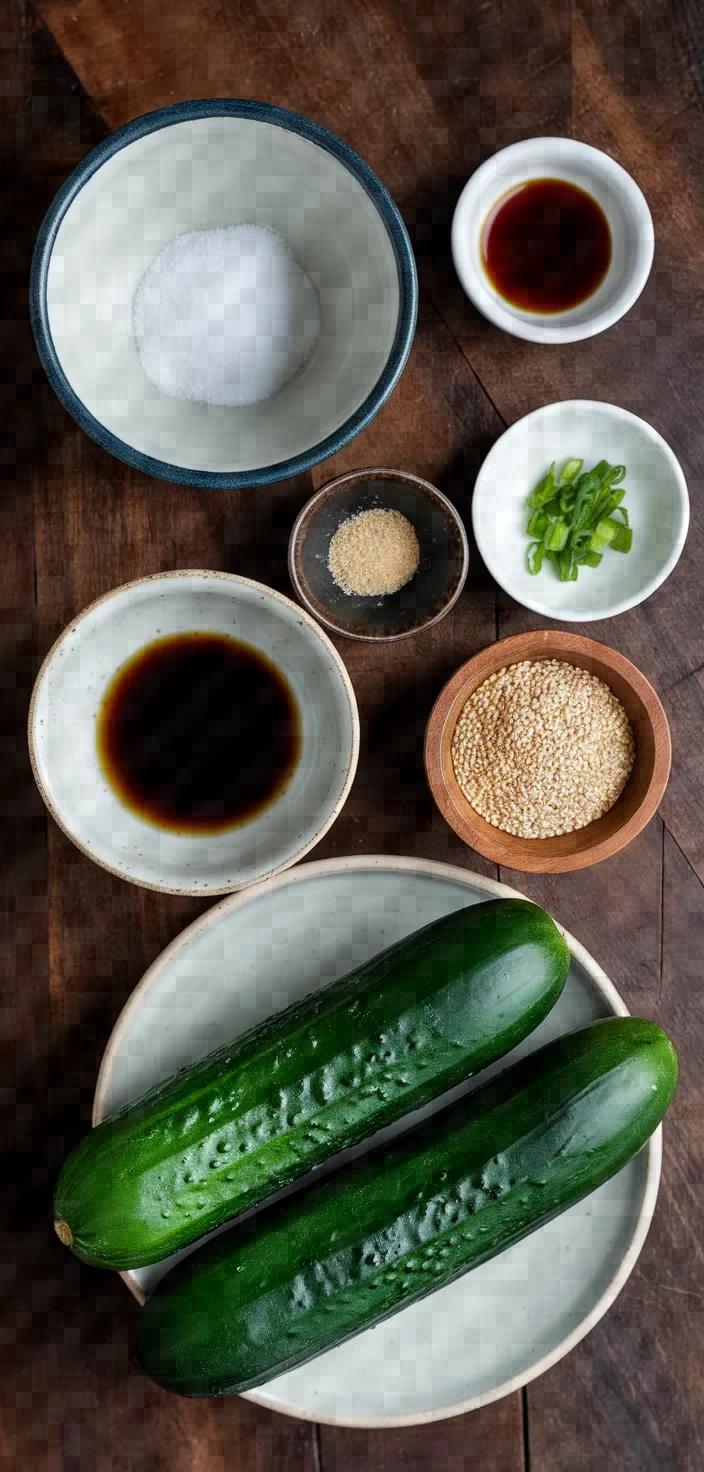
(373, 553)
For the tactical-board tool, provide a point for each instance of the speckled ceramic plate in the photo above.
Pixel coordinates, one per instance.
(65, 708)
(507, 1321)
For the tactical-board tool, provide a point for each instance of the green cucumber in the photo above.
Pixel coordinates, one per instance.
(322, 1075)
(309, 1272)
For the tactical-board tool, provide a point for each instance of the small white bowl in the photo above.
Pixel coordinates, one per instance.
(67, 698)
(656, 500)
(623, 204)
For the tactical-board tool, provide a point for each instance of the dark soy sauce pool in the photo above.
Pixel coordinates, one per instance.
(546, 246)
(198, 733)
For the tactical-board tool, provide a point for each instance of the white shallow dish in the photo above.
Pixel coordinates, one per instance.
(656, 499)
(69, 691)
(623, 203)
(507, 1321)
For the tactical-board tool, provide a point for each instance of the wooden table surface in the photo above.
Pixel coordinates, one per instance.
(424, 91)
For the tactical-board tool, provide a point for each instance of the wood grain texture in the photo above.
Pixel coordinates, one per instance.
(606, 835)
(683, 803)
(631, 1398)
(77, 941)
(490, 1440)
(424, 92)
(588, 1411)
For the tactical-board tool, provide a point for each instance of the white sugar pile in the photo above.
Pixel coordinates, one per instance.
(225, 316)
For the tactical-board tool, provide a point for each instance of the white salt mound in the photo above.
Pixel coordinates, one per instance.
(225, 316)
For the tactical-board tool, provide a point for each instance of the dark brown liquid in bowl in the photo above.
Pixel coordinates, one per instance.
(546, 246)
(198, 733)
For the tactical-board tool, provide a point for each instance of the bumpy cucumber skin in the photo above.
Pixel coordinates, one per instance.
(312, 1271)
(321, 1076)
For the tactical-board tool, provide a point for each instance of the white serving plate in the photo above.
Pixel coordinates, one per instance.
(506, 1322)
(656, 499)
(66, 703)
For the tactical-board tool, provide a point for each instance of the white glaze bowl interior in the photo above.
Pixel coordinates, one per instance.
(622, 202)
(197, 175)
(63, 724)
(656, 500)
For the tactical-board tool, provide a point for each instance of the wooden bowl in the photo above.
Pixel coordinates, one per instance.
(607, 834)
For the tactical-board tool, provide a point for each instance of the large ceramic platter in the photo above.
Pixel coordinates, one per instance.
(507, 1321)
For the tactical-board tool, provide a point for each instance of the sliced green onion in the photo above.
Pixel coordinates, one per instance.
(544, 491)
(570, 469)
(580, 540)
(623, 541)
(567, 566)
(537, 525)
(555, 538)
(534, 557)
(576, 516)
(621, 512)
(608, 501)
(588, 487)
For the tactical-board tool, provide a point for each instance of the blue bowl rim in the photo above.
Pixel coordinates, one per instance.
(165, 117)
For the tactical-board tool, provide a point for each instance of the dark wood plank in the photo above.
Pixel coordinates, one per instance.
(644, 362)
(103, 933)
(438, 423)
(683, 803)
(426, 143)
(649, 53)
(380, 73)
(631, 1395)
(424, 94)
(490, 1440)
(32, 1275)
(626, 939)
(589, 1410)
(73, 1397)
(614, 910)
(99, 923)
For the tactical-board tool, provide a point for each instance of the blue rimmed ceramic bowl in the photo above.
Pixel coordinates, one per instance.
(197, 166)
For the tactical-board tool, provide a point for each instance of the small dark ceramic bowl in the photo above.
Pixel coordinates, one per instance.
(444, 555)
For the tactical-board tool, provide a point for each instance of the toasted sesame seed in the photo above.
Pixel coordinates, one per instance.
(542, 748)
